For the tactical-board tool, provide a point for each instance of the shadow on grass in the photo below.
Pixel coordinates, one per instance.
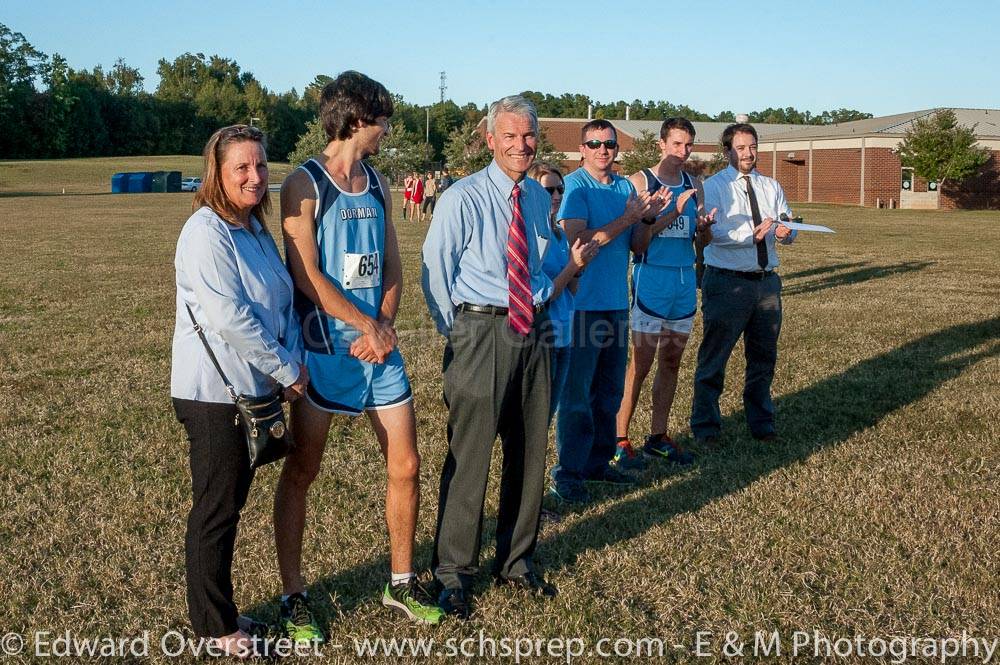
(835, 409)
(853, 277)
(819, 270)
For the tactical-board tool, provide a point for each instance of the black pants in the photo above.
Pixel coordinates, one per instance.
(494, 383)
(220, 481)
(731, 307)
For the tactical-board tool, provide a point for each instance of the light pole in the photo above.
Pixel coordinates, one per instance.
(427, 138)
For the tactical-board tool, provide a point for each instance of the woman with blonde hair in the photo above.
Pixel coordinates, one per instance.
(232, 282)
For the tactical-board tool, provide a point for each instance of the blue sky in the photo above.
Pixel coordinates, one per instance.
(880, 57)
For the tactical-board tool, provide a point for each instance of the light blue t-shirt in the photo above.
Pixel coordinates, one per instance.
(561, 308)
(604, 285)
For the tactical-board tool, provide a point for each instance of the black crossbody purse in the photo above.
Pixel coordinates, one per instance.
(262, 418)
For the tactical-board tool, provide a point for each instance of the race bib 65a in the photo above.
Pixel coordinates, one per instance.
(362, 271)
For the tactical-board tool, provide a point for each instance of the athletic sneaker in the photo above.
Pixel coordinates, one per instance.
(612, 476)
(570, 494)
(665, 448)
(627, 459)
(403, 599)
(298, 621)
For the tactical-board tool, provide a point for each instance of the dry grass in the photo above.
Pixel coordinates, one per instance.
(877, 514)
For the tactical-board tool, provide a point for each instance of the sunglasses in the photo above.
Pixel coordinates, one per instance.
(594, 144)
(556, 188)
(233, 131)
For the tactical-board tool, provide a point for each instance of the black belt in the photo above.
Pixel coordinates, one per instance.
(755, 276)
(493, 309)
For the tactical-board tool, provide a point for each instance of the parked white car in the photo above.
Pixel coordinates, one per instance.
(190, 184)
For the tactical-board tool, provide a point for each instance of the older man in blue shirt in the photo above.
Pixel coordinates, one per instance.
(485, 288)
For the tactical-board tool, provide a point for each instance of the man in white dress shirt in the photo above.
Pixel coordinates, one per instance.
(741, 293)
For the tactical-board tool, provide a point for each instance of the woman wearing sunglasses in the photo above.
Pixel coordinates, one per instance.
(563, 264)
(231, 280)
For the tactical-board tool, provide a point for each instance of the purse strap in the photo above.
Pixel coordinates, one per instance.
(201, 333)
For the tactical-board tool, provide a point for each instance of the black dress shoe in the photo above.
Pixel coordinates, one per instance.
(455, 603)
(530, 582)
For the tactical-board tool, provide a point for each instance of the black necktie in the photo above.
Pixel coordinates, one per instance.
(755, 211)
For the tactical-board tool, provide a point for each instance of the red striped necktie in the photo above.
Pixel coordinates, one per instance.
(520, 312)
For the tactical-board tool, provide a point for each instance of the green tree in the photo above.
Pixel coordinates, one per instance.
(310, 143)
(645, 152)
(124, 80)
(939, 149)
(841, 115)
(546, 151)
(400, 152)
(60, 100)
(466, 151)
(21, 64)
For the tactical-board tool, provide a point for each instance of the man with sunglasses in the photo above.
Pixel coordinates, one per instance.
(598, 205)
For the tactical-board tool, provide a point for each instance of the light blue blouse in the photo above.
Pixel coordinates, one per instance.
(560, 307)
(241, 293)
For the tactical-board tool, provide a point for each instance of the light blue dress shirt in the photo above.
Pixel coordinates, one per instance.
(732, 246)
(465, 252)
(241, 294)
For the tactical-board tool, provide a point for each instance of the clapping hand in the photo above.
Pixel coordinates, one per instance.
(658, 201)
(582, 253)
(703, 226)
(683, 199)
(760, 231)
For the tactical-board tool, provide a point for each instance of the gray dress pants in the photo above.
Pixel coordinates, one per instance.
(733, 306)
(495, 382)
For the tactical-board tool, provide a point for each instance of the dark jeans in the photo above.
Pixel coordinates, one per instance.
(220, 481)
(494, 383)
(560, 370)
(585, 429)
(733, 306)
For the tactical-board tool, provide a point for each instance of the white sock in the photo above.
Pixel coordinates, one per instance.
(402, 578)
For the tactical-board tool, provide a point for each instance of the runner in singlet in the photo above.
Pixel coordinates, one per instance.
(664, 294)
(344, 258)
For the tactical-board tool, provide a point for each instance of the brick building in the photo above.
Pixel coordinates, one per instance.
(851, 163)
(856, 163)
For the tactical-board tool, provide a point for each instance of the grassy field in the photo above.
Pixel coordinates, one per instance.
(878, 514)
(93, 176)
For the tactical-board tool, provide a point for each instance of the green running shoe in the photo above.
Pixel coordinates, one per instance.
(298, 620)
(403, 599)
